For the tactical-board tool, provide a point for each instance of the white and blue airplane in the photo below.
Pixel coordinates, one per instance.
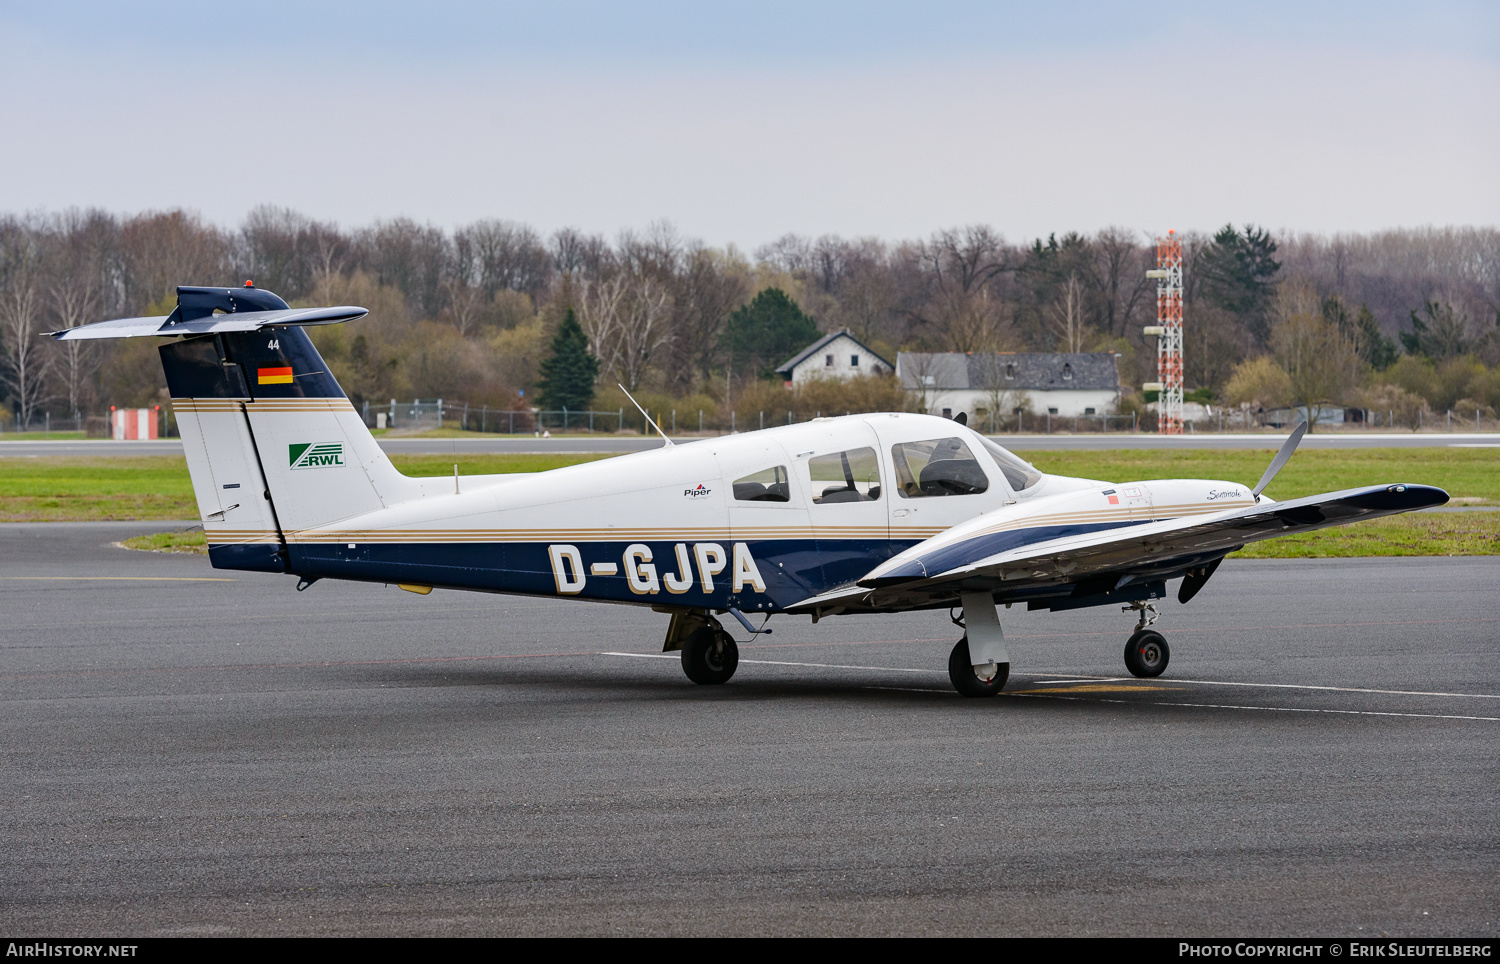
(862, 514)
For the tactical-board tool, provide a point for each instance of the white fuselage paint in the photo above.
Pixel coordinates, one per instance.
(680, 496)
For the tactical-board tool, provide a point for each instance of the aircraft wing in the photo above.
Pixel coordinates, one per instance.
(1098, 564)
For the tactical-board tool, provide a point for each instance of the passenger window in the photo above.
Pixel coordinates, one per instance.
(938, 467)
(767, 485)
(850, 476)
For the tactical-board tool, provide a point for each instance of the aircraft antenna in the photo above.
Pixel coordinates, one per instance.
(649, 420)
(1168, 332)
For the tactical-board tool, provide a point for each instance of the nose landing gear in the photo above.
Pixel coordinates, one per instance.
(966, 676)
(1146, 652)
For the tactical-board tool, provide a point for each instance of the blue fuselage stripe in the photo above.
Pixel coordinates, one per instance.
(792, 569)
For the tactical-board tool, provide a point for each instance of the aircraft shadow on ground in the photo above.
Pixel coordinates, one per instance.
(873, 689)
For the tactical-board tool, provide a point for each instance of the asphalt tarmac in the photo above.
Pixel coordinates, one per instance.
(570, 444)
(183, 756)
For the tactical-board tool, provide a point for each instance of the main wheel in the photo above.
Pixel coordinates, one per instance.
(961, 672)
(1146, 654)
(709, 655)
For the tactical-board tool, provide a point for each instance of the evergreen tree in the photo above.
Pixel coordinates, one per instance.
(768, 331)
(1373, 347)
(1237, 273)
(568, 374)
(1443, 335)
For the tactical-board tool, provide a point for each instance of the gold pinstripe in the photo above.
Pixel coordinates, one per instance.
(737, 534)
(263, 405)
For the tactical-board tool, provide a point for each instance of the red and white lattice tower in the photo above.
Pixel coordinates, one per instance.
(1168, 332)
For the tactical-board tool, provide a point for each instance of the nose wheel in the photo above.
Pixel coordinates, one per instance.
(971, 680)
(1146, 654)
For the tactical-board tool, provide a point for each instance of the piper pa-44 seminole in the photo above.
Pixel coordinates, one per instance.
(862, 514)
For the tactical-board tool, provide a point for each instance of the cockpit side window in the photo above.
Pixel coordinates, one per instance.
(767, 485)
(937, 467)
(1019, 473)
(850, 476)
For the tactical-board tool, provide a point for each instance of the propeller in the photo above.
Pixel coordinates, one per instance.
(1287, 448)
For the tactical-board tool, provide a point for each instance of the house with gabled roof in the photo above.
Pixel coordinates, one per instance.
(836, 355)
(1038, 383)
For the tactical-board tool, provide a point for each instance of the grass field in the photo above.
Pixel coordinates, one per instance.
(1471, 476)
(157, 487)
(46, 489)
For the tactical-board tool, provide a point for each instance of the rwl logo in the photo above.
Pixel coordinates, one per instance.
(316, 455)
(696, 493)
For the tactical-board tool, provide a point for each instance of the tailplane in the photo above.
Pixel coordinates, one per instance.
(273, 444)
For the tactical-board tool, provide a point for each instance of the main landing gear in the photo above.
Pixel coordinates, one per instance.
(709, 653)
(710, 656)
(1146, 652)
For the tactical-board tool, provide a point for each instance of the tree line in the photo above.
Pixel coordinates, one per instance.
(1402, 317)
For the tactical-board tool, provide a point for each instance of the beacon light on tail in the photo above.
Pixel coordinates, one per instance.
(862, 514)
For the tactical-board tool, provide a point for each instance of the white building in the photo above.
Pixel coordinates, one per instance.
(837, 355)
(1086, 383)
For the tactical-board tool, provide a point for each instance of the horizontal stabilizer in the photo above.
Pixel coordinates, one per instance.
(165, 326)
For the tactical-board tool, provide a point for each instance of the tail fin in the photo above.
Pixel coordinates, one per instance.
(273, 444)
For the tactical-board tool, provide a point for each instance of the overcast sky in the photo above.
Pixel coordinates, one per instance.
(740, 122)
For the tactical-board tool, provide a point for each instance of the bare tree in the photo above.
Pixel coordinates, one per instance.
(1003, 401)
(507, 255)
(960, 266)
(165, 249)
(25, 370)
(626, 320)
(1319, 360)
(1066, 314)
(643, 328)
(790, 254)
(463, 283)
(599, 312)
(1118, 275)
(81, 260)
(919, 378)
(868, 292)
(575, 253)
(708, 286)
(411, 257)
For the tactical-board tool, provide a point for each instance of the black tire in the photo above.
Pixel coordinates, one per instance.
(709, 656)
(961, 672)
(1146, 654)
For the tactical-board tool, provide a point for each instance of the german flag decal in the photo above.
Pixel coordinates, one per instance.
(274, 376)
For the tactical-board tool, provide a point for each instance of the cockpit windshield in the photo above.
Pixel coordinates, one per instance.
(1018, 473)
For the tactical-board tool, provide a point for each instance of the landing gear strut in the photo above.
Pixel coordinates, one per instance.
(709, 655)
(1146, 652)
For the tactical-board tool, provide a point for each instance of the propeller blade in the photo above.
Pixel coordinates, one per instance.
(1287, 448)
